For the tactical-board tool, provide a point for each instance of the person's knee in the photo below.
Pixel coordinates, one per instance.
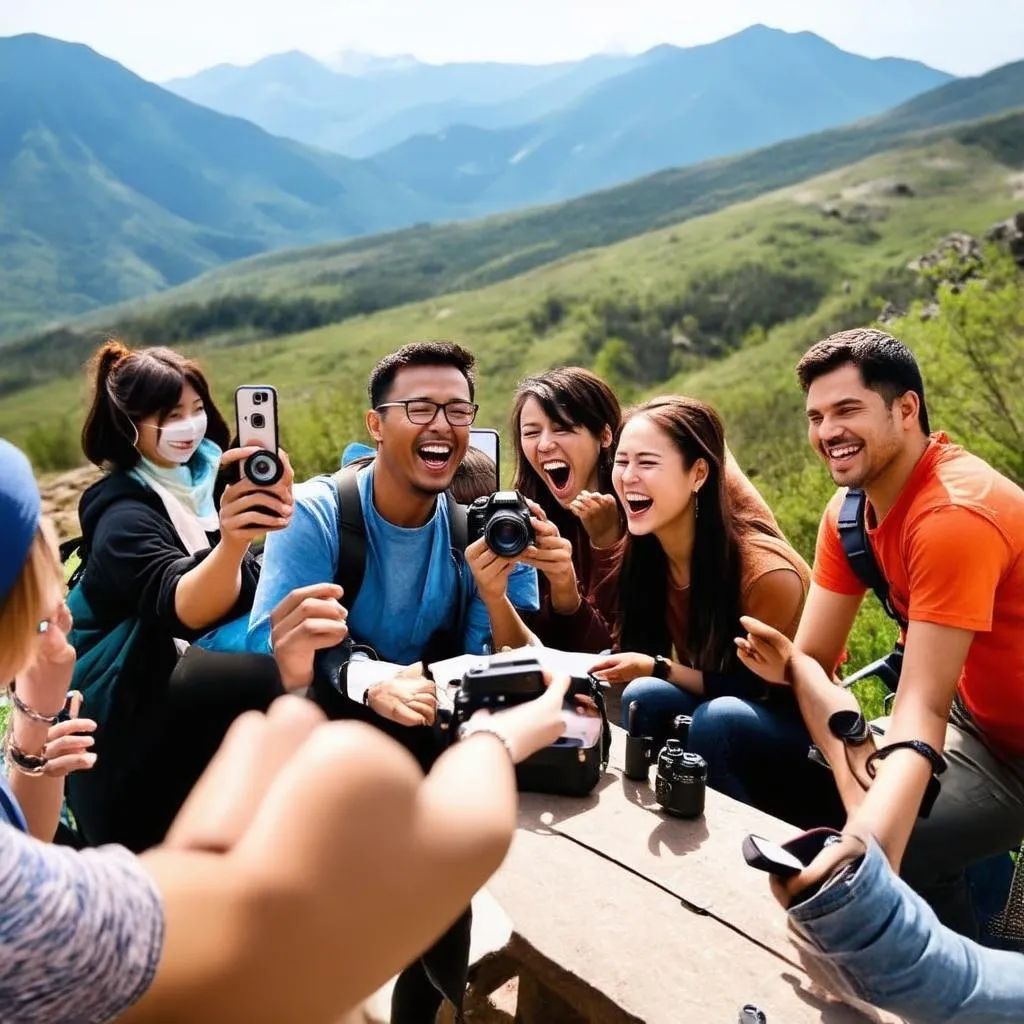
(657, 702)
(718, 721)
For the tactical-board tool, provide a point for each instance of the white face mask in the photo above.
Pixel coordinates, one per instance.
(179, 440)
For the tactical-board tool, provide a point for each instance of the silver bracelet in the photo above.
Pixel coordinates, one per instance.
(31, 714)
(471, 729)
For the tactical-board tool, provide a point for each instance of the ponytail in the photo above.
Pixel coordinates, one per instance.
(108, 434)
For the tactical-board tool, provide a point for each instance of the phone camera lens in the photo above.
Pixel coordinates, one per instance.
(259, 421)
(259, 397)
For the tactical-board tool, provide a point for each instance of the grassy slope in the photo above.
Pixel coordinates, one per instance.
(956, 188)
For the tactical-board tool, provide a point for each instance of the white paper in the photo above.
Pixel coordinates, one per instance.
(572, 663)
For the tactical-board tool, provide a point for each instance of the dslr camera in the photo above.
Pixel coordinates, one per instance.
(503, 520)
(498, 685)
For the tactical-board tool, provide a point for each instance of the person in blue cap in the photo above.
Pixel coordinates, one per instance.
(238, 915)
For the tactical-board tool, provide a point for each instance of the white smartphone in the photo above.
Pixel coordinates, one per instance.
(256, 416)
(486, 439)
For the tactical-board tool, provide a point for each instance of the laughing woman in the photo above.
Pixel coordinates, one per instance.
(563, 423)
(691, 564)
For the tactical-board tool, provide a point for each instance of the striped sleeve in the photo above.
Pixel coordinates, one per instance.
(80, 932)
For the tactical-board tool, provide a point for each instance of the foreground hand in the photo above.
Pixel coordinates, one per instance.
(551, 554)
(240, 522)
(831, 859)
(307, 620)
(408, 699)
(490, 571)
(534, 725)
(68, 743)
(623, 668)
(765, 651)
(599, 514)
(43, 686)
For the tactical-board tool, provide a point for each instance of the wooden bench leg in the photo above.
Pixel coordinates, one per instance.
(537, 1004)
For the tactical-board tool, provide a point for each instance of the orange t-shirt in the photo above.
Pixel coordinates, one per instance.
(951, 550)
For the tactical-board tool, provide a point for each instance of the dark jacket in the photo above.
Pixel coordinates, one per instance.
(134, 560)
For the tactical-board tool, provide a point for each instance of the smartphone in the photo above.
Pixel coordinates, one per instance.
(486, 439)
(765, 855)
(256, 416)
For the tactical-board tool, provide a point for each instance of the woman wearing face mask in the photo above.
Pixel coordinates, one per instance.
(239, 915)
(692, 563)
(161, 544)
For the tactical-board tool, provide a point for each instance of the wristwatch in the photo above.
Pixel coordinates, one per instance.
(662, 667)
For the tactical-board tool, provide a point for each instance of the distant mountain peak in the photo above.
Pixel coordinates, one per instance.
(361, 64)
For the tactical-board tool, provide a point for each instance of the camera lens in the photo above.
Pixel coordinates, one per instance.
(259, 397)
(506, 534)
(681, 781)
(264, 468)
(259, 421)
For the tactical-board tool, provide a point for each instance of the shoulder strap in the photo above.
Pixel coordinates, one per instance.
(351, 535)
(853, 535)
(458, 524)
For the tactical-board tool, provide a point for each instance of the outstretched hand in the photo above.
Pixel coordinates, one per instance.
(765, 650)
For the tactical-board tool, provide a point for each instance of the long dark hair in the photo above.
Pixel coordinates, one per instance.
(130, 385)
(696, 430)
(571, 397)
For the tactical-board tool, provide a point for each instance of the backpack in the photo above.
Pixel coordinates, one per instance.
(329, 688)
(853, 535)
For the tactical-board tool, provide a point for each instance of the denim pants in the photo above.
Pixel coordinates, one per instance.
(870, 937)
(756, 750)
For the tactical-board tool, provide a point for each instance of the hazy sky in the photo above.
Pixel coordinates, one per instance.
(160, 39)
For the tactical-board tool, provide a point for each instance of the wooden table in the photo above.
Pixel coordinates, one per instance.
(621, 914)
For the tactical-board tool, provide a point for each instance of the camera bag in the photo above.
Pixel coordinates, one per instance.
(565, 770)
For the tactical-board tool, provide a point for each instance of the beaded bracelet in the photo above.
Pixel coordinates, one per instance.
(20, 760)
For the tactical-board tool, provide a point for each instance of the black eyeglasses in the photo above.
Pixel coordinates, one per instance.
(422, 411)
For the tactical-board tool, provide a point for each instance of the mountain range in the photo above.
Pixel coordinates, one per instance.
(113, 187)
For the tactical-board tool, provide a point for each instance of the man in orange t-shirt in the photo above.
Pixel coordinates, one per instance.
(947, 533)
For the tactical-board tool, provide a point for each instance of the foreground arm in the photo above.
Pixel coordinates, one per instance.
(258, 928)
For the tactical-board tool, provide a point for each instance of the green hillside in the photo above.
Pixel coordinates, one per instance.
(719, 306)
(366, 274)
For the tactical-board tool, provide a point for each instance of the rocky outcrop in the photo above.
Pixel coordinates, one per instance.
(60, 495)
(1010, 233)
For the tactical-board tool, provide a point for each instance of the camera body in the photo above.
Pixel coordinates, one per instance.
(497, 685)
(503, 520)
(642, 751)
(681, 783)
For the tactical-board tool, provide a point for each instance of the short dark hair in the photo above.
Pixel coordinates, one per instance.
(475, 477)
(131, 384)
(420, 353)
(886, 365)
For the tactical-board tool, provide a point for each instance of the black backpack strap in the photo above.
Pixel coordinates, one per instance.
(458, 524)
(351, 536)
(853, 535)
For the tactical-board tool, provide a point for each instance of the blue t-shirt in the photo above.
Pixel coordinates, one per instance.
(10, 810)
(412, 580)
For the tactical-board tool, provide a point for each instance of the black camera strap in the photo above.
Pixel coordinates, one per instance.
(853, 534)
(352, 532)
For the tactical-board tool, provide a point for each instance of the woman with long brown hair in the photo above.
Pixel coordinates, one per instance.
(692, 562)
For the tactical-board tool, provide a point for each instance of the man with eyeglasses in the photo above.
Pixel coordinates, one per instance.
(416, 588)
(421, 411)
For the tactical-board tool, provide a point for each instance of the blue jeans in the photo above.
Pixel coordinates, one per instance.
(870, 936)
(756, 751)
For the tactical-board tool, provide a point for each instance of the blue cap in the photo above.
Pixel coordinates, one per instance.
(20, 509)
